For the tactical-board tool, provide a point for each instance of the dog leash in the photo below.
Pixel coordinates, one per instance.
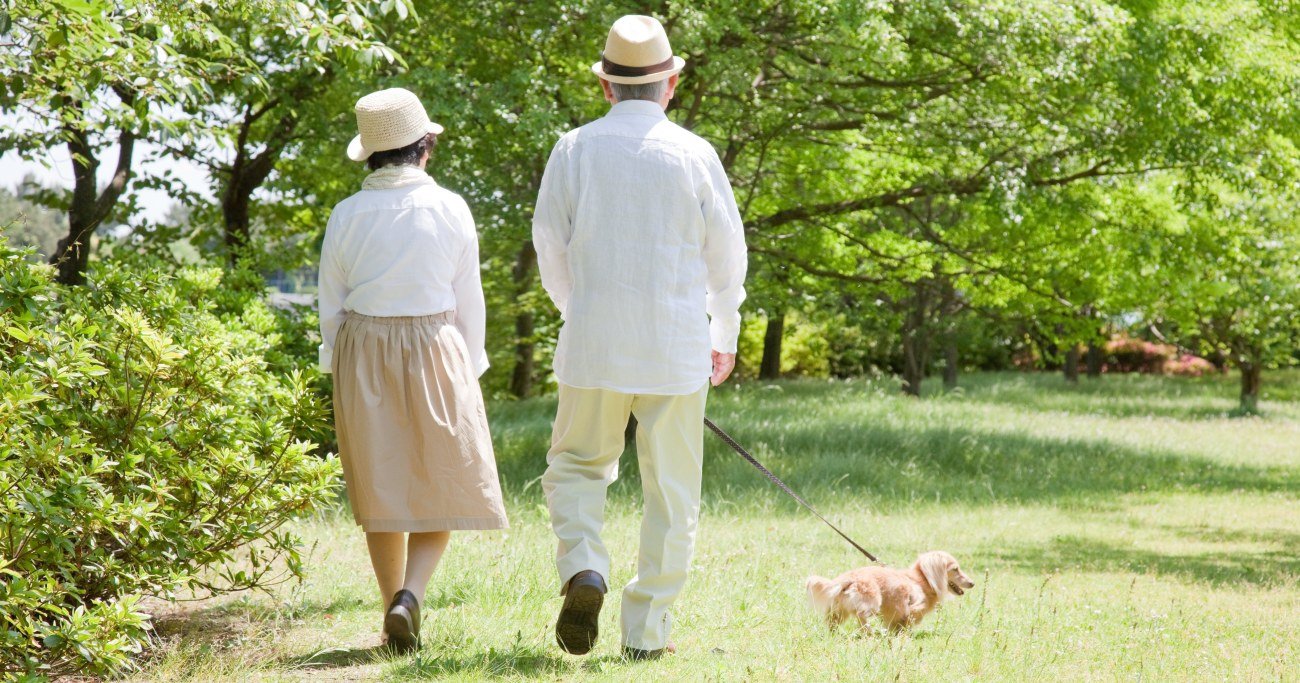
(740, 450)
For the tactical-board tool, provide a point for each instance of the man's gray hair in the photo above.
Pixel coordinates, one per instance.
(651, 92)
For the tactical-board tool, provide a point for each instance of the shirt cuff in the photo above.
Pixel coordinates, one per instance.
(723, 333)
(481, 364)
(325, 358)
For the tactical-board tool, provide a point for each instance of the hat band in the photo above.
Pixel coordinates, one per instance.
(613, 69)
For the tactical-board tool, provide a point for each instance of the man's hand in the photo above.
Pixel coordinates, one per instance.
(723, 364)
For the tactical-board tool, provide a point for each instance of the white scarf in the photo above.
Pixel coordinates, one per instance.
(390, 177)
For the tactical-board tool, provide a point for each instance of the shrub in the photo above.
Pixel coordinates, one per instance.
(1127, 354)
(804, 347)
(146, 448)
(1187, 365)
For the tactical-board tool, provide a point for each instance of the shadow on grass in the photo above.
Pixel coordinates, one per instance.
(1273, 568)
(882, 460)
(1287, 539)
(518, 661)
(957, 464)
(210, 625)
(338, 658)
(1123, 395)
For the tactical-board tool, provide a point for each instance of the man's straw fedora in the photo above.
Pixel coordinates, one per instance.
(637, 51)
(389, 119)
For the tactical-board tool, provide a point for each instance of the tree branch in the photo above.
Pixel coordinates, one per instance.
(814, 269)
(121, 175)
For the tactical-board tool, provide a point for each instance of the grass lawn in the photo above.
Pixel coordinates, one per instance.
(1130, 528)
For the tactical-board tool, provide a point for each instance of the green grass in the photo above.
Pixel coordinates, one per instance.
(1128, 528)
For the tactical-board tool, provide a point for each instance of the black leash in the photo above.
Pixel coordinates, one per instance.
(753, 461)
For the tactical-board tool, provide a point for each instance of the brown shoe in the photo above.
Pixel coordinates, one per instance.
(579, 621)
(647, 655)
(402, 622)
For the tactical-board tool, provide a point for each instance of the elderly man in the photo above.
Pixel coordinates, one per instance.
(641, 248)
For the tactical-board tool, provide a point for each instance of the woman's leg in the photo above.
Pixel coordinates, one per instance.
(388, 556)
(423, 551)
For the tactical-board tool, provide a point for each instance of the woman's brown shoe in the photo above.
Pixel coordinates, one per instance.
(402, 622)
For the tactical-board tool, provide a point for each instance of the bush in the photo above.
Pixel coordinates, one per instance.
(1127, 354)
(146, 448)
(1187, 365)
(804, 348)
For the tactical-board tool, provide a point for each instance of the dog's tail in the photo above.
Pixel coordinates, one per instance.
(822, 593)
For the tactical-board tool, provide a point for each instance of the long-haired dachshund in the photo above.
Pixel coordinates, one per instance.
(900, 597)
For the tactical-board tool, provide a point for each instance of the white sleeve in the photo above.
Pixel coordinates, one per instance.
(471, 310)
(332, 291)
(725, 257)
(552, 229)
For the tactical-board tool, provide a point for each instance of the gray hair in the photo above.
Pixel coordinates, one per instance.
(650, 92)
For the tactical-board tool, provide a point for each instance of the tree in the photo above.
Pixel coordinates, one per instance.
(304, 86)
(95, 75)
(99, 77)
(1235, 264)
(986, 104)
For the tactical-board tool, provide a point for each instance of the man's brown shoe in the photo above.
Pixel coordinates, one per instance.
(579, 621)
(647, 655)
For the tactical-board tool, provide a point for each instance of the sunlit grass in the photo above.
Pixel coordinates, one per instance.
(1126, 528)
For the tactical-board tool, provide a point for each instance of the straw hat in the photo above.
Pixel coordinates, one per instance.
(389, 119)
(637, 51)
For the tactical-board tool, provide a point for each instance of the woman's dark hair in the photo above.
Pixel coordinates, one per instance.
(409, 155)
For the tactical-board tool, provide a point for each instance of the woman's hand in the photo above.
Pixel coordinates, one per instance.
(723, 364)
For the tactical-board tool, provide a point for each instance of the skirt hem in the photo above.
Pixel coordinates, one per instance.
(419, 526)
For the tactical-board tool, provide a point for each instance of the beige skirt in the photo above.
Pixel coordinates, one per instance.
(412, 430)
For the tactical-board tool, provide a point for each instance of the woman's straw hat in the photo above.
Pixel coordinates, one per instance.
(389, 119)
(637, 51)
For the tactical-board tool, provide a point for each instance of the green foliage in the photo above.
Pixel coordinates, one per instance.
(942, 160)
(149, 444)
(1235, 260)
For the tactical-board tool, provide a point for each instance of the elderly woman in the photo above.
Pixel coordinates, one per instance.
(402, 324)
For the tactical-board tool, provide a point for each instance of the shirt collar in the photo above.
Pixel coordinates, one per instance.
(637, 108)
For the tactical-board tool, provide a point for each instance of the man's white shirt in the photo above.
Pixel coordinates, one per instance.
(640, 245)
(406, 251)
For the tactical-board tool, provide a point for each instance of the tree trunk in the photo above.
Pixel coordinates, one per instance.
(915, 346)
(1250, 384)
(89, 206)
(913, 371)
(248, 172)
(950, 360)
(1072, 364)
(1094, 360)
(950, 307)
(521, 379)
(770, 368)
(235, 215)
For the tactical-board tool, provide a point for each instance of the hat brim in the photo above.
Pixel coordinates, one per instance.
(358, 152)
(678, 64)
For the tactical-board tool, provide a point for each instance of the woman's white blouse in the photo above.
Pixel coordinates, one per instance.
(406, 251)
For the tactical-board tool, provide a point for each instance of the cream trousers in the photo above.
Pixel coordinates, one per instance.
(583, 462)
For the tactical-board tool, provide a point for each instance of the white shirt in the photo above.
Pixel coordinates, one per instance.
(407, 251)
(641, 248)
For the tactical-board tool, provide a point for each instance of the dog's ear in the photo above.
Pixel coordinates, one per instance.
(934, 567)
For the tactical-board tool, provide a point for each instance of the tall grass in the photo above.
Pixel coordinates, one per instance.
(1127, 528)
